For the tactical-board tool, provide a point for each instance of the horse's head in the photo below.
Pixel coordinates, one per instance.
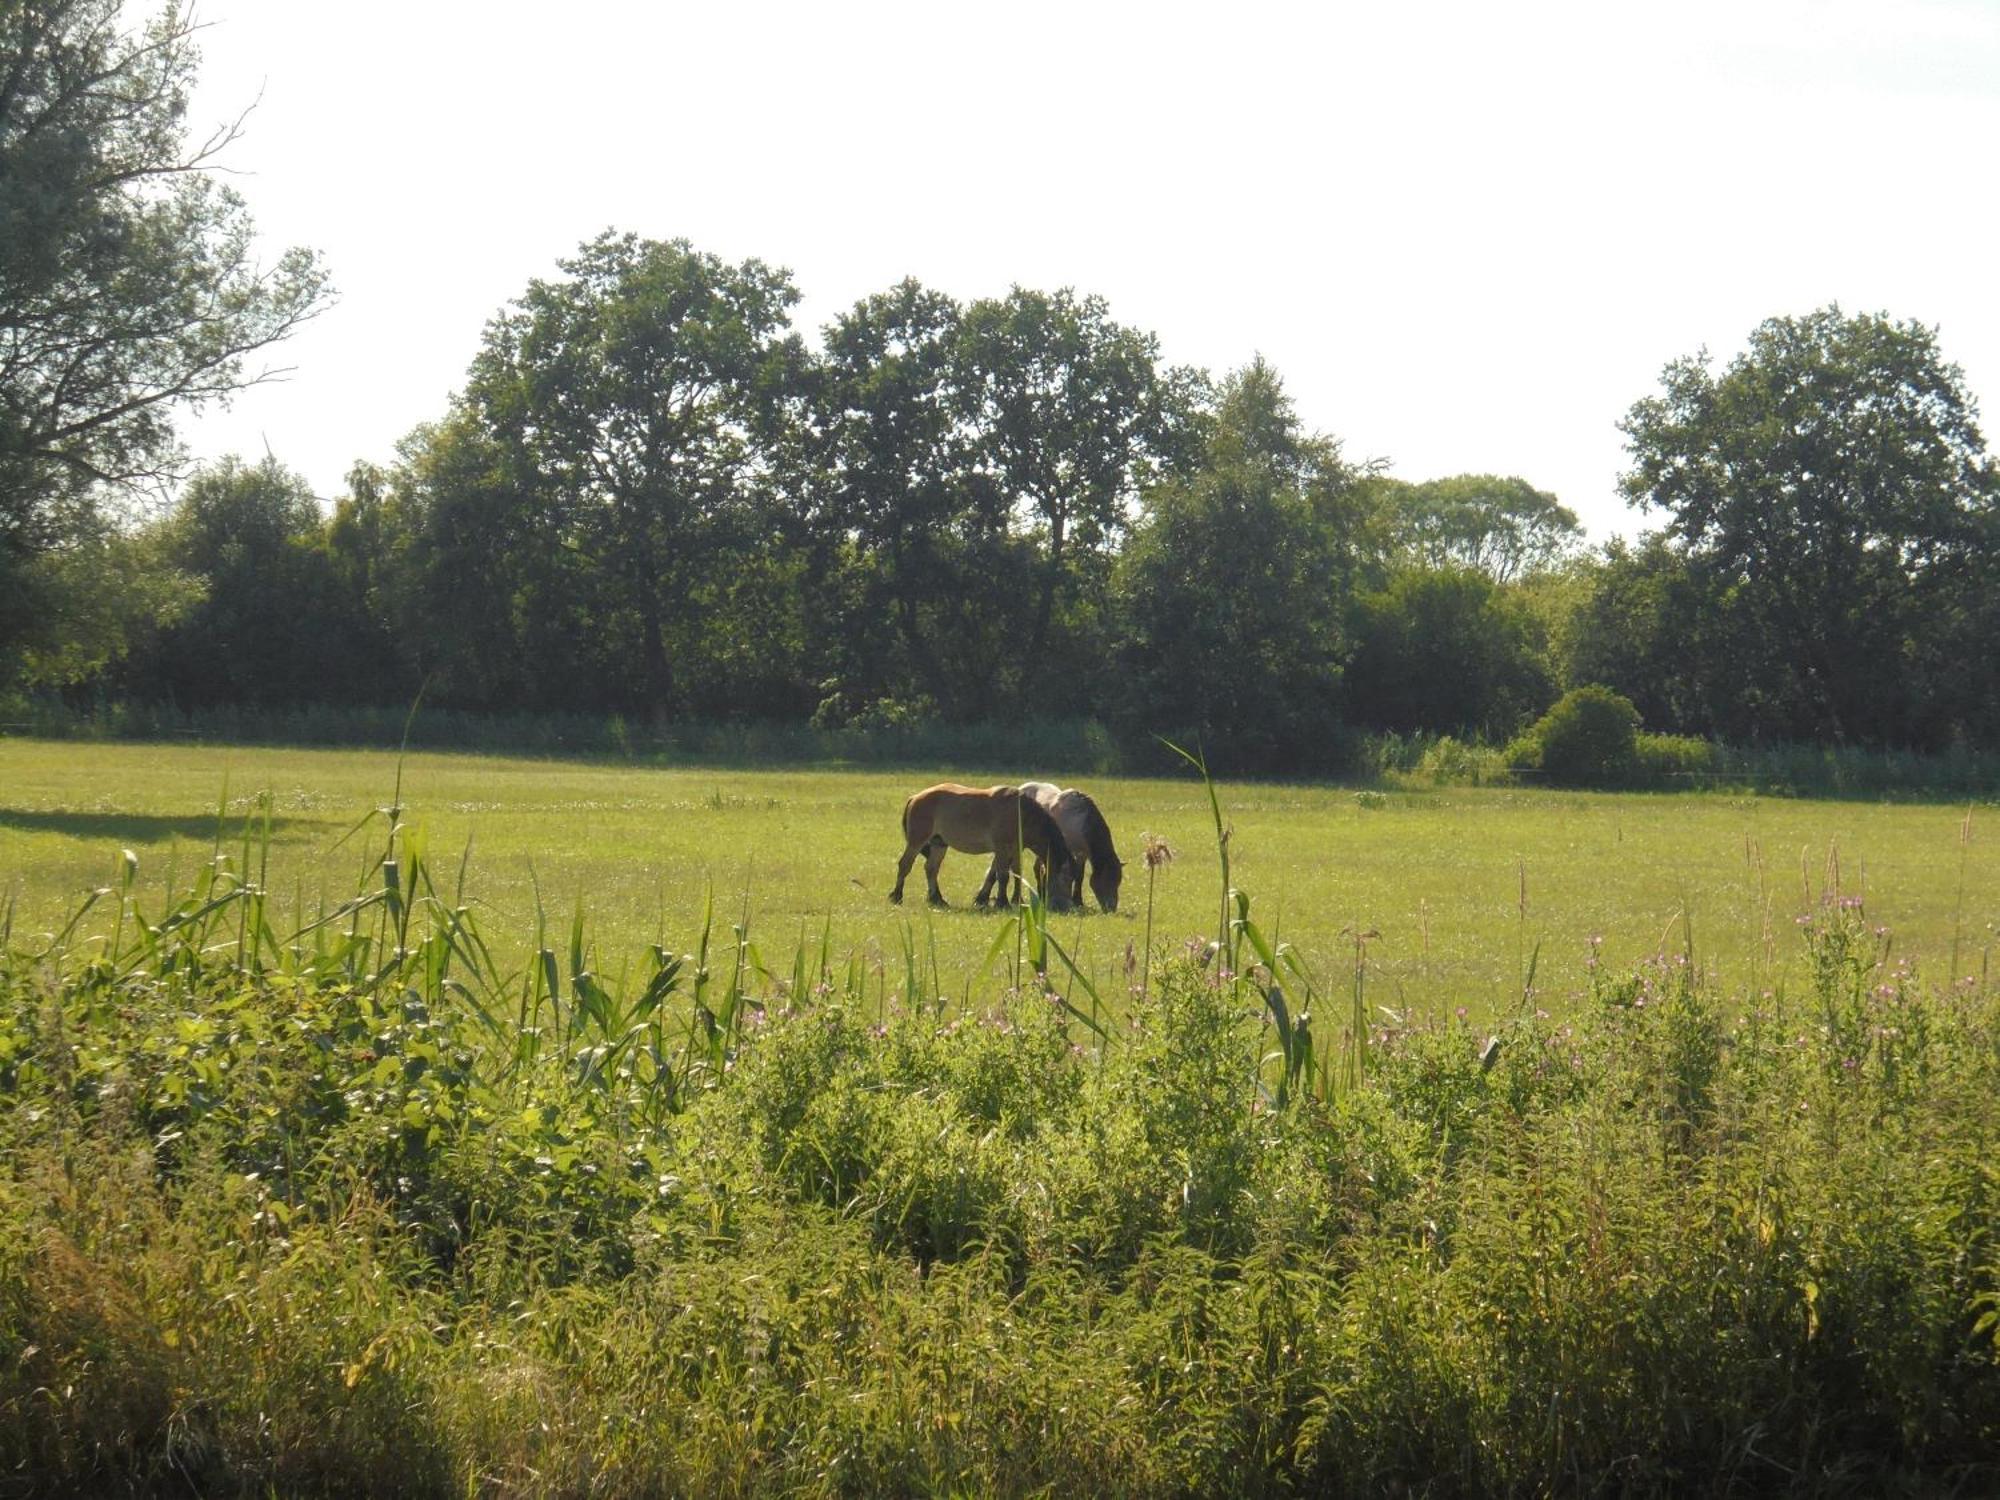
(1106, 875)
(1107, 870)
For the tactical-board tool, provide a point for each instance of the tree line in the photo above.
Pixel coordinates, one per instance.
(654, 496)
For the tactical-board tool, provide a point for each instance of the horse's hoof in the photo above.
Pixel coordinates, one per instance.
(895, 898)
(939, 901)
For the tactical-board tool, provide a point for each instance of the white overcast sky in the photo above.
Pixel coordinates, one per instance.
(1467, 235)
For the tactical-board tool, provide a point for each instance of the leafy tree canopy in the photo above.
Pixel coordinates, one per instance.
(129, 288)
(1447, 651)
(273, 621)
(1502, 526)
(1233, 585)
(632, 404)
(912, 526)
(1075, 417)
(1831, 487)
(129, 283)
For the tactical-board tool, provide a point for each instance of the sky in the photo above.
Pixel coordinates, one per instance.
(1468, 236)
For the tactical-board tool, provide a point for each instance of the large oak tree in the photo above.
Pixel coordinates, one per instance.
(629, 407)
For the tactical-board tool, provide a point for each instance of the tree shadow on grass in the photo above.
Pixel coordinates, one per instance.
(137, 828)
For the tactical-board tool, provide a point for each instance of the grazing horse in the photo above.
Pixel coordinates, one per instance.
(996, 820)
(1089, 839)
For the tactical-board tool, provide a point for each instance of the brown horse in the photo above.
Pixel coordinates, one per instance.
(997, 821)
(1089, 839)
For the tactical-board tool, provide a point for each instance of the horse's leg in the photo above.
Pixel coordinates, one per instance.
(986, 886)
(933, 857)
(903, 870)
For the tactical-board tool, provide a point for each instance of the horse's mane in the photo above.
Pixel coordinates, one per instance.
(1097, 835)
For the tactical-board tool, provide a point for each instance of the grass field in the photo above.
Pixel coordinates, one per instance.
(1466, 890)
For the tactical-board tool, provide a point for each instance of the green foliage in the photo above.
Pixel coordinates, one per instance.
(1665, 757)
(274, 622)
(1503, 527)
(106, 595)
(1450, 762)
(1651, 627)
(1231, 591)
(1589, 738)
(128, 290)
(350, 1209)
(1446, 652)
(623, 411)
(911, 532)
(1074, 417)
(1833, 499)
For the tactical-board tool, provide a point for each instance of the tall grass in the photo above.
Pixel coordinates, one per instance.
(333, 1203)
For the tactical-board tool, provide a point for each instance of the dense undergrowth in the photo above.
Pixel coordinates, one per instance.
(347, 1211)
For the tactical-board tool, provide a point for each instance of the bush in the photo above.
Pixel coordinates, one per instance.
(1666, 755)
(1589, 738)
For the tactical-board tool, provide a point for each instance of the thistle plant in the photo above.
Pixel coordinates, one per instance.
(1158, 852)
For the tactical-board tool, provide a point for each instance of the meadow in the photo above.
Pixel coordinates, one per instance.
(318, 1176)
(1466, 894)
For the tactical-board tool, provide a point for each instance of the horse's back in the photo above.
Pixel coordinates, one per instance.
(921, 810)
(953, 789)
(972, 819)
(1073, 812)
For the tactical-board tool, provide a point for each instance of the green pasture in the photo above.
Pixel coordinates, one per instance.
(1462, 893)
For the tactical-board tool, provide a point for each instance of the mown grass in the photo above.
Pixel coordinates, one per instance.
(360, 1207)
(1466, 889)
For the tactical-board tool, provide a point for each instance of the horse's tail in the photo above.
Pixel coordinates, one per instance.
(909, 806)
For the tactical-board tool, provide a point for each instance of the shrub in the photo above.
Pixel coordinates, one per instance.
(1665, 755)
(1589, 737)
